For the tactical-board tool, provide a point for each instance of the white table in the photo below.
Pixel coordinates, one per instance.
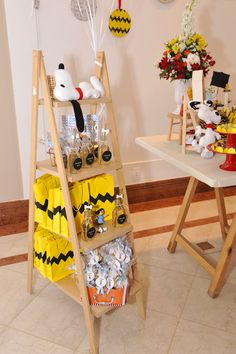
(208, 172)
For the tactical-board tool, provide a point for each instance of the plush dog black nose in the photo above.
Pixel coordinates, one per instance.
(62, 85)
(217, 113)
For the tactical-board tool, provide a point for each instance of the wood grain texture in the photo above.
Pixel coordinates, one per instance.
(13, 259)
(13, 217)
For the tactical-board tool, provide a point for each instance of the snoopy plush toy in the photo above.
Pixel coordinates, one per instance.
(205, 137)
(66, 91)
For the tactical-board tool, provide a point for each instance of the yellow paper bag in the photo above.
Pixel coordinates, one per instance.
(102, 194)
(79, 194)
(57, 210)
(41, 192)
(53, 255)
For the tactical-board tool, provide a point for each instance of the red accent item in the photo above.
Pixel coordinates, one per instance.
(119, 4)
(80, 93)
(230, 162)
(116, 297)
(210, 126)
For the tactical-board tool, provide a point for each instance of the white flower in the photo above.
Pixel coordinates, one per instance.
(188, 20)
(192, 59)
(182, 46)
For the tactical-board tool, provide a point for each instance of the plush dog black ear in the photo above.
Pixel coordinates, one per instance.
(208, 103)
(194, 105)
(79, 118)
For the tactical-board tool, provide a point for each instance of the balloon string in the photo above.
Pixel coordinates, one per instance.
(119, 3)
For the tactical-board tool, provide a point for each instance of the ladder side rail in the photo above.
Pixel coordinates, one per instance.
(89, 318)
(36, 58)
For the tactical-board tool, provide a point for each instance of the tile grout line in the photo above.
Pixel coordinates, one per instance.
(180, 316)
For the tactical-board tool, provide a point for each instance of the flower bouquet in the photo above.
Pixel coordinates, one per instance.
(183, 55)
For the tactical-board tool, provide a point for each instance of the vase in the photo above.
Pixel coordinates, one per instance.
(180, 86)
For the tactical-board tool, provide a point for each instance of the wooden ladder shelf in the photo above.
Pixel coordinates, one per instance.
(69, 285)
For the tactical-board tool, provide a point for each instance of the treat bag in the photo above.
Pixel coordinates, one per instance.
(53, 255)
(50, 214)
(57, 210)
(102, 194)
(41, 188)
(79, 194)
(64, 222)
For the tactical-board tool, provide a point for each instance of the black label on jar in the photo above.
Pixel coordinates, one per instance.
(121, 219)
(77, 164)
(106, 156)
(89, 159)
(91, 232)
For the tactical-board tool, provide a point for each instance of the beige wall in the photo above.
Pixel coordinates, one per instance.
(141, 100)
(10, 171)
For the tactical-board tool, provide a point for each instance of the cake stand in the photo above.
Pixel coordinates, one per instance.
(226, 146)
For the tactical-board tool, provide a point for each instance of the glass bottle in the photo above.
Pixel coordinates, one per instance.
(88, 228)
(105, 154)
(74, 161)
(120, 212)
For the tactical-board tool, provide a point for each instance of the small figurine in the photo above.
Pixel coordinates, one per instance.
(100, 215)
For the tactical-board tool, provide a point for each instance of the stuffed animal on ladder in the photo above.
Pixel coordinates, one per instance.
(65, 91)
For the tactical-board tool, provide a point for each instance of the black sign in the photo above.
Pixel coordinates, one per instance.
(89, 159)
(77, 164)
(121, 219)
(106, 156)
(91, 232)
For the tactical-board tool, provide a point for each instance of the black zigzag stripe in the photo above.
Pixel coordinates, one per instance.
(81, 209)
(62, 211)
(62, 257)
(40, 255)
(40, 206)
(102, 198)
(120, 19)
(48, 260)
(115, 29)
(50, 214)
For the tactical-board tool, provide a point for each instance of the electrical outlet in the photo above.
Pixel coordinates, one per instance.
(136, 174)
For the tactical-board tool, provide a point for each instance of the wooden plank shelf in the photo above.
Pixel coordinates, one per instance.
(100, 239)
(69, 286)
(91, 101)
(84, 173)
(111, 234)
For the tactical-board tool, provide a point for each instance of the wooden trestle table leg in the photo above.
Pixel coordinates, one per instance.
(223, 261)
(192, 185)
(221, 211)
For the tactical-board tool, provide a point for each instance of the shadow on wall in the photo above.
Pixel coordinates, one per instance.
(129, 115)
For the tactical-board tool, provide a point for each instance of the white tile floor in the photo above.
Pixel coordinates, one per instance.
(181, 317)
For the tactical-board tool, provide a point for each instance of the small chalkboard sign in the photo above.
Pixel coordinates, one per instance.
(219, 79)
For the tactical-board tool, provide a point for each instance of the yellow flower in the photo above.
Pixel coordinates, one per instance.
(172, 43)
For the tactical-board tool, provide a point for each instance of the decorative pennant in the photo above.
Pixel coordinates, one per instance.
(119, 21)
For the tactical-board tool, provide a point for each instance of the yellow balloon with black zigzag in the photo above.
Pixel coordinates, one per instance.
(119, 22)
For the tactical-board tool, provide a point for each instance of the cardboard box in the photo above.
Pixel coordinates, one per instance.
(115, 297)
